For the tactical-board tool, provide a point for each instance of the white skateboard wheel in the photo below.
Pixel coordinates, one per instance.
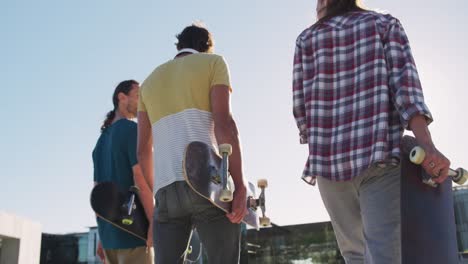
(225, 148)
(262, 183)
(463, 176)
(264, 221)
(417, 155)
(225, 196)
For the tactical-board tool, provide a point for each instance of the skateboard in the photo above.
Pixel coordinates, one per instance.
(194, 250)
(121, 209)
(125, 211)
(207, 173)
(428, 231)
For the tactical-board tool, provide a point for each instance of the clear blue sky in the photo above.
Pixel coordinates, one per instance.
(62, 59)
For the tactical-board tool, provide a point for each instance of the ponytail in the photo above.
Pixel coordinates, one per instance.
(123, 87)
(108, 121)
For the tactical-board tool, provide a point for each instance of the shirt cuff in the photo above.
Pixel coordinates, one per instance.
(303, 138)
(415, 110)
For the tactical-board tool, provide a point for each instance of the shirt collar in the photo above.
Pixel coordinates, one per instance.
(187, 50)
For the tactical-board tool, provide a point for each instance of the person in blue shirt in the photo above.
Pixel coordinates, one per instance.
(115, 160)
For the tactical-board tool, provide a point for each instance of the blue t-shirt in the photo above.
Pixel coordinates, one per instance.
(113, 158)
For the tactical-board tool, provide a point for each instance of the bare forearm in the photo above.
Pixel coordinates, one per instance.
(145, 159)
(145, 148)
(418, 124)
(146, 192)
(227, 133)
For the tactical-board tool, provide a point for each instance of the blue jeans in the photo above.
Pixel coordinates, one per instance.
(365, 214)
(178, 210)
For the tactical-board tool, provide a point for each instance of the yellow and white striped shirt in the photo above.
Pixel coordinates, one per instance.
(176, 97)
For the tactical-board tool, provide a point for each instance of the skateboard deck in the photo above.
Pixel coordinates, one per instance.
(428, 232)
(108, 202)
(200, 163)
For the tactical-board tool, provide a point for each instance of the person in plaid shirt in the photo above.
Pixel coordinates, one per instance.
(355, 90)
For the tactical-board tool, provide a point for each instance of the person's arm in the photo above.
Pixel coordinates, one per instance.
(408, 99)
(299, 110)
(435, 163)
(226, 132)
(403, 79)
(145, 148)
(145, 186)
(146, 191)
(146, 198)
(145, 161)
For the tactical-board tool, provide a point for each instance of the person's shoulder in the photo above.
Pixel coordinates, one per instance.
(160, 69)
(380, 17)
(163, 66)
(306, 33)
(100, 140)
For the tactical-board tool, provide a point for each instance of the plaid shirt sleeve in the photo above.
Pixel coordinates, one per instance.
(298, 94)
(404, 83)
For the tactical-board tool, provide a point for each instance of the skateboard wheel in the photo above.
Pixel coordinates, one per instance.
(417, 155)
(225, 148)
(134, 189)
(225, 196)
(127, 221)
(189, 250)
(262, 183)
(463, 176)
(264, 221)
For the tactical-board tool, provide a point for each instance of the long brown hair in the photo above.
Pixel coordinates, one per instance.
(123, 87)
(340, 7)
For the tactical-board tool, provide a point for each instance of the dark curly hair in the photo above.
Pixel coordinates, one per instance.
(195, 37)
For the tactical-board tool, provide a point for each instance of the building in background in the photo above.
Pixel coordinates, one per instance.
(306, 243)
(74, 248)
(20, 240)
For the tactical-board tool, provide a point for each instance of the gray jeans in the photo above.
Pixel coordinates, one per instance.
(365, 214)
(178, 210)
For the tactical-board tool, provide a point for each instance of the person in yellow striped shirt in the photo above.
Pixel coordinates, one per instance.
(183, 100)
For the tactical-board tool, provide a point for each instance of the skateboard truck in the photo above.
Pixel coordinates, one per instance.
(225, 150)
(129, 206)
(459, 175)
(253, 203)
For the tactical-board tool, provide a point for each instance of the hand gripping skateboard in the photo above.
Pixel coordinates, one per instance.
(207, 173)
(428, 232)
(458, 176)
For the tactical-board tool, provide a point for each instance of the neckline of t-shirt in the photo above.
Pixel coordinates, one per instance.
(193, 51)
(118, 121)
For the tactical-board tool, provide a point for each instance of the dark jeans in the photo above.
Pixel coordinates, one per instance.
(178, 210)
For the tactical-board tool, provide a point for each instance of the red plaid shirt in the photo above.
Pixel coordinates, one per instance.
(355, 88)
